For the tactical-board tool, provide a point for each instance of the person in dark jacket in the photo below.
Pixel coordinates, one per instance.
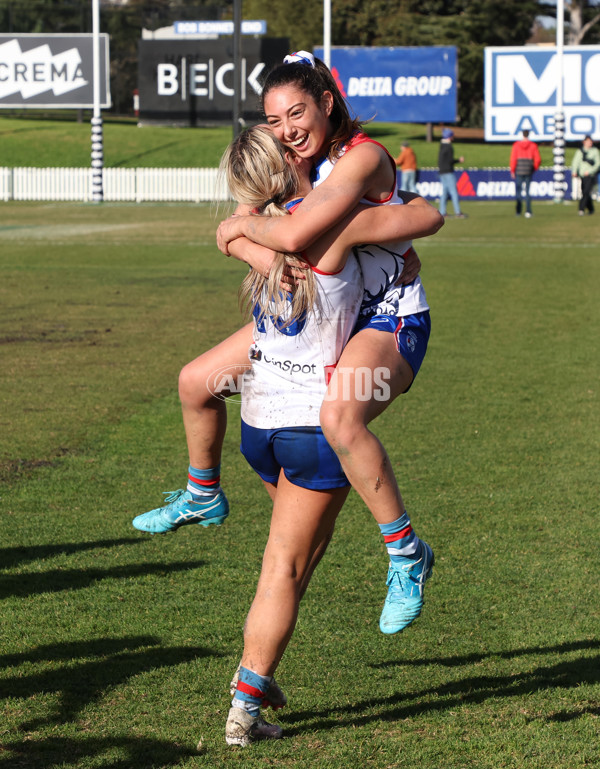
(524, 161)
(446, 163)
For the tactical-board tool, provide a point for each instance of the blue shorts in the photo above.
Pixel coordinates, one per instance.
(302, 452)
(410, 331)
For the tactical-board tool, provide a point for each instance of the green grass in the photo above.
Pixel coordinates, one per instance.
(117, 648)
(60, 143)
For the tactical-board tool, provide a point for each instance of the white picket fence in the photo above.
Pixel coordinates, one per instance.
(120, 184)
(177, 185)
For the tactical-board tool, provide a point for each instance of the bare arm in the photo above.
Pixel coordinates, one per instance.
(253, 254)
(261, 259)
(384, 224)
(375, 224)
(415, 219)
(364, 170)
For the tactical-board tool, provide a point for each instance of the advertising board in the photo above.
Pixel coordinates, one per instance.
(400, 85)
(190, 82)
(521, 87)
(51, 71)
(488, 184)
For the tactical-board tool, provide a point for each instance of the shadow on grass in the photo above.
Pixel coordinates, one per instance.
(469, 690)
(15, 556)
(565, 716)
(81, 680)
(73, 649)
(56, 580)
(124, 752)
(470, 659)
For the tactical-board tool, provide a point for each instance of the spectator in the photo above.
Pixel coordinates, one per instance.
(586, 165)
(524, 161)
(446, 163)
(407, 163)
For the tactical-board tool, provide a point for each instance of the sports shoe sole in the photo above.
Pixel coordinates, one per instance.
(242, 729)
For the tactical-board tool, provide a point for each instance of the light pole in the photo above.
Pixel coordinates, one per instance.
(237, 68)
(327, 32)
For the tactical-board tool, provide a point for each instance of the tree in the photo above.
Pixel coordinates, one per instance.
(469, 24)
(44, 16)
(583, 16)
(302, 22)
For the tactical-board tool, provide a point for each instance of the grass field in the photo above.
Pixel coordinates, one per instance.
(55, 143)
(117, 648)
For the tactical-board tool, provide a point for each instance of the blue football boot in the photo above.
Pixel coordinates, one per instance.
(406, 582)
(182, 509)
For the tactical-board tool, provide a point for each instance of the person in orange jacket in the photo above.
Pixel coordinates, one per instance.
(407, 163)
(524, 162)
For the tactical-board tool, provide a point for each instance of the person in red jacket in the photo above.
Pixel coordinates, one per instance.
(524, 161)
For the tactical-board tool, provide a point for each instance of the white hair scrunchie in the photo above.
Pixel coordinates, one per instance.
(301, 56)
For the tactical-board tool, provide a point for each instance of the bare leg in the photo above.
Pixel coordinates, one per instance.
(344, 419)
(275, 695)
(301, 527)
(294, 542)
(204, 413)
(202, 385)
(372, 355)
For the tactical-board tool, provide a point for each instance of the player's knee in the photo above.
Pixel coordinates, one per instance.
(185, 383)
(340, 427)
(192, 385)
(284, 569)
(329, 418)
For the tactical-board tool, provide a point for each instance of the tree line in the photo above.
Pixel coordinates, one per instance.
(471, 25)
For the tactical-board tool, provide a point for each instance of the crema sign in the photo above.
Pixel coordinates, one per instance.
(51, 71)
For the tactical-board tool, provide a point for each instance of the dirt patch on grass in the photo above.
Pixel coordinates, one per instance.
(12, 470)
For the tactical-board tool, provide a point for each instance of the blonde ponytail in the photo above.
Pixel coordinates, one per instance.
(258, 175)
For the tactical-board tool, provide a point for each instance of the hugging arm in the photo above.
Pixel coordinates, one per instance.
(320, 210)
(382, 224)
(377, 224)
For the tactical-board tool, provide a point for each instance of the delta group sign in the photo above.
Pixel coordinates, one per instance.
(401, 85)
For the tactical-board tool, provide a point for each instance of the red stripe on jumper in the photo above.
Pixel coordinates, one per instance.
(251, 690)
(398, 535)
(202, 482)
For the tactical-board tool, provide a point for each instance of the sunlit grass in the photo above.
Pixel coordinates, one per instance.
(117, 648)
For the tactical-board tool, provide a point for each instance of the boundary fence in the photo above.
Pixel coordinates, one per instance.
(197, 185)
(138, 185)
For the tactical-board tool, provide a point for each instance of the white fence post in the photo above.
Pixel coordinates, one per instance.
(194, 185)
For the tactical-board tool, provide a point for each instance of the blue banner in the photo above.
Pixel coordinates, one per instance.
(397, 85)
(488, 184)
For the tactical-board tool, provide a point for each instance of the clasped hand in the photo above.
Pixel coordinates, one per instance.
(229, 230)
